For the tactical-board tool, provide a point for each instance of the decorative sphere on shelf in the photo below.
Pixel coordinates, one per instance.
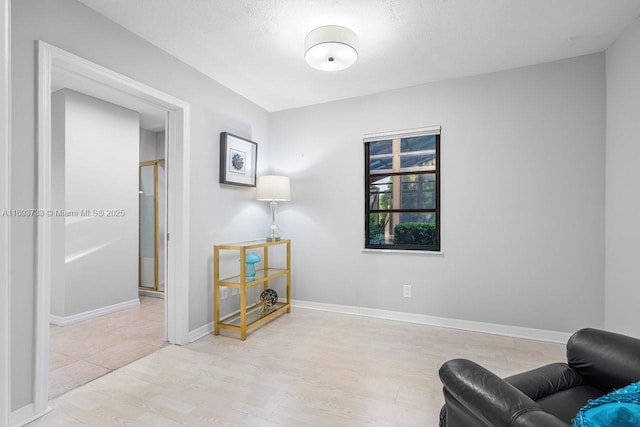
(269, 298)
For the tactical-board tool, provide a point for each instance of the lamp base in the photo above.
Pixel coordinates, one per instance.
(273, 234)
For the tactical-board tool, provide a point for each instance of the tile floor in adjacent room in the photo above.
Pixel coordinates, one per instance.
(84, 351)
(307, 368)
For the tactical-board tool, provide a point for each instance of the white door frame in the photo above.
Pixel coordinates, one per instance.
(51, 58)
(5, 203)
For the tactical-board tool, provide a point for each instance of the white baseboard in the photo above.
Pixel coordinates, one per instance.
(75, 318)
(25, 415)
(467, 325)
(150, 293)
(422, 319)
(196, 334)
(202, 331)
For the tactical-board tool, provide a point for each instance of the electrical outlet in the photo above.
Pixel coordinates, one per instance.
(406, 291)
(224, 292)
(234, 291)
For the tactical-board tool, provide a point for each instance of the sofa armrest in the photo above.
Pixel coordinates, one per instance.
(545, 380)
(490, 398)
(605, 360)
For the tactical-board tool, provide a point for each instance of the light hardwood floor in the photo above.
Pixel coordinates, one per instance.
(307, 368)
(84, 351)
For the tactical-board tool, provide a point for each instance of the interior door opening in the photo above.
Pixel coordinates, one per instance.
(100, 321)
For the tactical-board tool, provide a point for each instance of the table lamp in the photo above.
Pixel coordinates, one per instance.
(273, 189)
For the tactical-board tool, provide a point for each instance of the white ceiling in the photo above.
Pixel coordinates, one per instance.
(255, 47)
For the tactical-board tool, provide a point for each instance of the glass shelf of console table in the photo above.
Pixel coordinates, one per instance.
(252, 244)
(254, 315)
(261, 276)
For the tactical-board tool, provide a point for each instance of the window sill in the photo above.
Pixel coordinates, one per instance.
(402, 251)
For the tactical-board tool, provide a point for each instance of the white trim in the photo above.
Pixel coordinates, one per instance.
(422, 319)
(442, 322)
(202, 331)
(91, 314)
(430, 130)
(25, 415)
(151, 294)
(43, 234)
(401, 251)
(5, 203)
(178, 118)
(177, 265)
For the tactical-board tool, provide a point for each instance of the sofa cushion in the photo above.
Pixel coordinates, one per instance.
(565, 404)
(545, 380)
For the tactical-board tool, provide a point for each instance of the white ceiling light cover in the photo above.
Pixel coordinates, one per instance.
(331, 48)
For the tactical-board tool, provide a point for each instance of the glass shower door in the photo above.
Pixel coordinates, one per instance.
(150, 223)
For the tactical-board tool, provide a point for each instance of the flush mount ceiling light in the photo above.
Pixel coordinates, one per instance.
(331, 48)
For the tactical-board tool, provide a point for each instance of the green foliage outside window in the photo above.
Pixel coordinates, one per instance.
(413, 233)
(377, 226)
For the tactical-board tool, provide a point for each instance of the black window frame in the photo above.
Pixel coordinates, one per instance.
(367, 196)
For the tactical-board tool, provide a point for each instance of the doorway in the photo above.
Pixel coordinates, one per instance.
(53, 62)
(99, 322)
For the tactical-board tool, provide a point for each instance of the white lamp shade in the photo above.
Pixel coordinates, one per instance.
(331, 48)
(271, 187)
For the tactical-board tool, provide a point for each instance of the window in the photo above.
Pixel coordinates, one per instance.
(402, 190)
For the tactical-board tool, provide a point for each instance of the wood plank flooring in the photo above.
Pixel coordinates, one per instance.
(307, 368)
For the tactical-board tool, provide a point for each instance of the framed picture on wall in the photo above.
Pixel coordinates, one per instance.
(238, 157)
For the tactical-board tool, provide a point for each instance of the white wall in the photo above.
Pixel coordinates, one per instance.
(219, 214)
(522, 198)
(623, 183)
(101, 144)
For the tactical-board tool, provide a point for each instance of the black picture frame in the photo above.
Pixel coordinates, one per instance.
(238, 160)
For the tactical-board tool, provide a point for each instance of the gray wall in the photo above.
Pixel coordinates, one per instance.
(149, 146)
(522, 198)
(152, 145)
(219, 214)
(58, 136)
(623, 183)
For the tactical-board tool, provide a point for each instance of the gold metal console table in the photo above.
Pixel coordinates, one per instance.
(249, 316)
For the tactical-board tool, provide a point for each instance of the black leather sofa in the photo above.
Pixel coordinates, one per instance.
(598, 362)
